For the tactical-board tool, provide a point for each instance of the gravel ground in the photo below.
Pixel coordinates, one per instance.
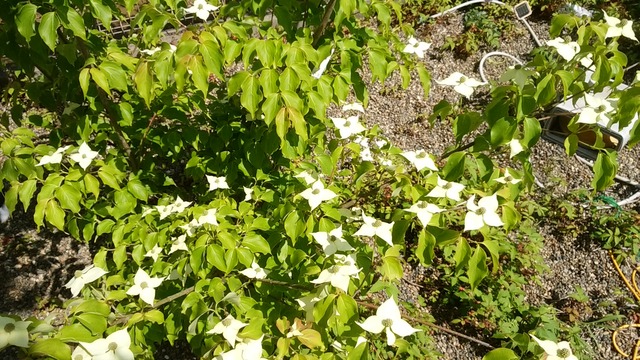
(34, 266)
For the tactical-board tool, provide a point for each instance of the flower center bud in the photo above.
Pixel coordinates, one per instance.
(78, 357)
(377, 223)
(9, 327)
(77, 274)
(481, 211)
(421, 155)
(563, 353)
(567, 39)
(601, 108)
(144, 285)
(508, 178)
(422, 205)
(315, 191)
(622, 23)
(333, 270)
(462, 80)
(446, 186)
(387, 322)
(517, 67)
(347, 124)
(112, 346)
(226, 322)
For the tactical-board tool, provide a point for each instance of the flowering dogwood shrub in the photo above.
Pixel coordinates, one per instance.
(233, 214)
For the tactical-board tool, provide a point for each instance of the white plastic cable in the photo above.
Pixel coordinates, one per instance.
(533, 34)
(466, 4)
(631, 199)
(494, 53)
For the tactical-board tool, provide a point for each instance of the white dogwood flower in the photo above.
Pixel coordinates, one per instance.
(619, 27)
(180, 205)
(145, 286)
(566, 49)
(150, 52)
(13, 332)
(349, 126)
(308, 302)
(323, 66)
(389, 320)
(416, 47)
(248, 193)
(255, 272)
(420, 159)
(247, 349)
(446, 189)
(81, 278)
(331, 241)
(84, 156)
(54, 158)
(202, 9)
(306, 177)
(596, 111)
(317, 193)
(79, 353)
(461, 84)
(154, 253)
(508, 178)
(515, 147)
(556, 351)
(179, 244)
(485, 213)
(113, 347)
(340, 274)
(217, 182)
(376, 227)
(209, 217)
(229, 328)
(424, 211)
(353, 107)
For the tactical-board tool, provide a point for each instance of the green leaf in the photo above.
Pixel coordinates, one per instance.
(50, 348)
(75, 332)
(27, 189)
(144, 82)
(26, 20)
(84, 80)
(74, 22)
(477, 267)
(92, 184)
(54, 214)
(115, 75)
(310, 338)
(102, 12)
(501, 354)
(69, 197)
(101, 80)
(571, 144)
(426, 245)
(454, 169)
(155, 316)
(347, 307)
(137, 189)
(425, 79)
(256, 243)
(532, 131)
(48, 29)
(108, 177)
(604, 168)
(466, 123)
(502, 131)
(391, 268)
(105, 226)
(269, 81)
(120, 256)
(251, 94)
(462, 253)
(293, 227)
(96, 323)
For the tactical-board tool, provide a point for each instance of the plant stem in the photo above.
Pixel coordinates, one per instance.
(325, 21)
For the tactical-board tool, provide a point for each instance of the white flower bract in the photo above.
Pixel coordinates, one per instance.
(556, 351)
(113, 347)
(255, 272)
(374, 227)
(84, 156)
(81, 278)
(323, 66)
(202, 9)
(596, 111)
(347, 127)
(54, 158)
(420, 159)
(388, 319)
(446, 189)
(353, 107)
(145, 286)
(332, 241)
(461, 84)
(515, 148)
(617, 27)
(229, 328)
(484, 213)
(566, 49)
(13, 332)
(317, 194)
(508, 178)
(424, 211)
(416, 47)
(154, 253)
(179, 244)
(339, 275)
(217, 182)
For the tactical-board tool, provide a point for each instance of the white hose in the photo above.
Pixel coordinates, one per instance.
(494, 53)
(466, 4)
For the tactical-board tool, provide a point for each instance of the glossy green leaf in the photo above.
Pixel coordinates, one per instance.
(47, 29)
(26, 20)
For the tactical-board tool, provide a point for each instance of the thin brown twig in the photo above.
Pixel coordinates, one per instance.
(325, 21)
